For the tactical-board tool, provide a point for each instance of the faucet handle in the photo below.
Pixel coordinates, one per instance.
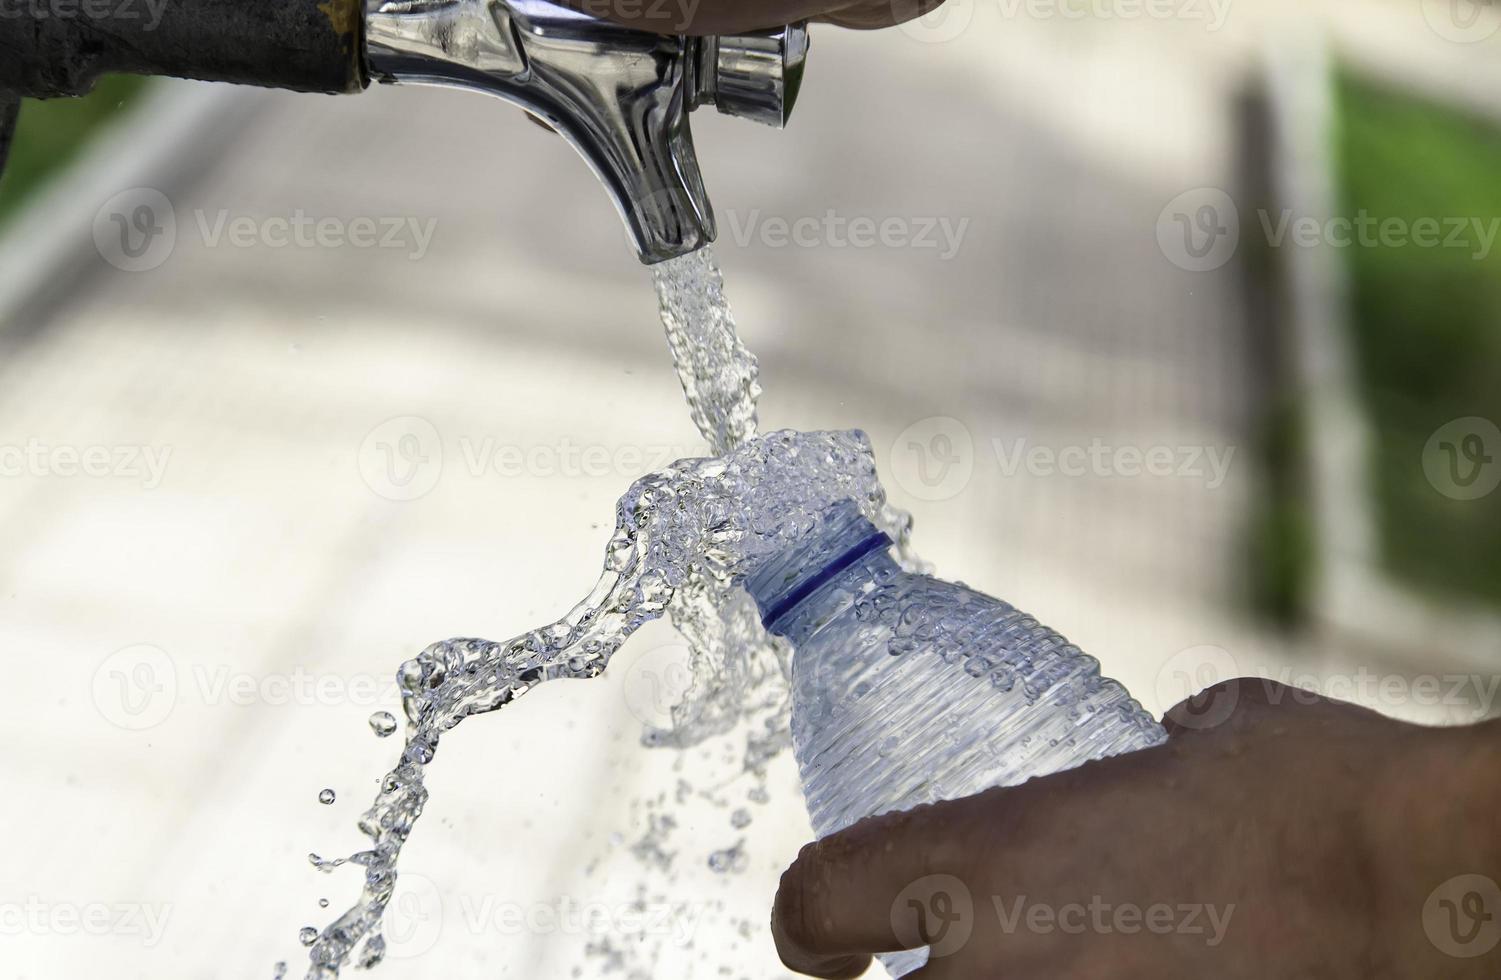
(754, 76)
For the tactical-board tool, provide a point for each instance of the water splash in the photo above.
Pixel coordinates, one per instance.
(682, 538)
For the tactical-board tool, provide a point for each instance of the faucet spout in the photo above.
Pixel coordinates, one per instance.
(620, 96)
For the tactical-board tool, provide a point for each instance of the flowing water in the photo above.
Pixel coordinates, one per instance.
(719, 375)
(682, 539)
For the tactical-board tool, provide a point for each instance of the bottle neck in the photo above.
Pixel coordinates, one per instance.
(841, 544)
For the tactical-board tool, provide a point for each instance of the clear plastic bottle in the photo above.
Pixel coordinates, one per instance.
(909, 690)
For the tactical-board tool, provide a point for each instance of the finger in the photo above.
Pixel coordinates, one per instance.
(1210, 708)
(949, 969)
(707, 17)
(704, 17)
(868, 15)
(1232, 701)
(838, 903)
(1245, 702)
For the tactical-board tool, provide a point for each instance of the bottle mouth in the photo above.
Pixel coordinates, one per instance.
(842, 538)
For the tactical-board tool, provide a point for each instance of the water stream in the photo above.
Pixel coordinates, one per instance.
(720, 376)
(682, 537)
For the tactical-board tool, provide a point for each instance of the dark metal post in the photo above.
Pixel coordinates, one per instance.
(305, 45)
(10, 109)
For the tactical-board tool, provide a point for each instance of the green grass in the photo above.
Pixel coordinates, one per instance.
(52, 133)
(1426, 324)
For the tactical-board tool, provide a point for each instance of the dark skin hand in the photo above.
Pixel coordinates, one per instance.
(707, 17)
(700, 17)
(1275, 835)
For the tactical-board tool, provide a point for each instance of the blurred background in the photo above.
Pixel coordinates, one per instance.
(1174, 322)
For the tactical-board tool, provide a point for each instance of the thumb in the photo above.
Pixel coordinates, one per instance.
(1243, 703)
(886, 884)
(867, 15)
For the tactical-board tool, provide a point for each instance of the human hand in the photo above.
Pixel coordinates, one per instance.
(1276, 834)
(702, 17)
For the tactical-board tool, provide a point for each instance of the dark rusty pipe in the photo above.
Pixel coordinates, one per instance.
(52, 48)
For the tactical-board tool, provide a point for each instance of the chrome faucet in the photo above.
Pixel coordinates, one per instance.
(620, 96)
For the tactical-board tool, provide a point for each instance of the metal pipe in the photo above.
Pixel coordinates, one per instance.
(304, 45)
(10, 111)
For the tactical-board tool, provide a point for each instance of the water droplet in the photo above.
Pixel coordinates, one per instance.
(326, 797)
(383, 723)
(324, 864)
(409, 676)
(323, 903)
(308, 935)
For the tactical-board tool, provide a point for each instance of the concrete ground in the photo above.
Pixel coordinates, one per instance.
(193, 650)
